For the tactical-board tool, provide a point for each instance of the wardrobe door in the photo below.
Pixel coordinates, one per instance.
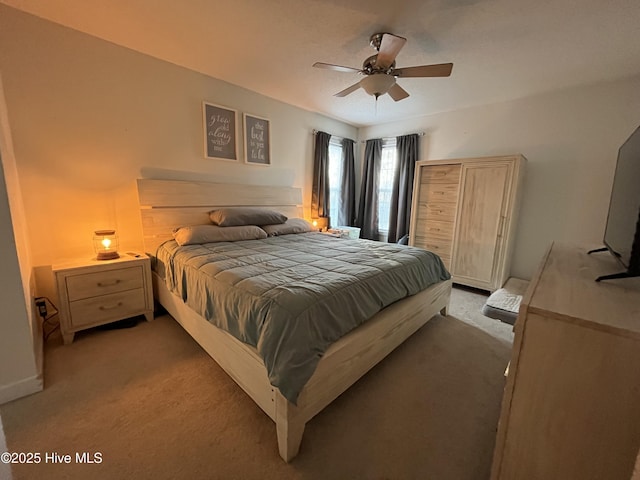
(481, 218)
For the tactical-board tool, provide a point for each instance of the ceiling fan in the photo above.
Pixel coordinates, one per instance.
(380, 70)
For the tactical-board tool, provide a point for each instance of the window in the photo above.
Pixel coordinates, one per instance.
(385, 187)
(335, 175)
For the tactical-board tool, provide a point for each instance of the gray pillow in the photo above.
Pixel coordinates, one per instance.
(233, 216)
(292, 225)
(198, 234)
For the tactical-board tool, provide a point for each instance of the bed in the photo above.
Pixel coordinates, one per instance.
(167, 204)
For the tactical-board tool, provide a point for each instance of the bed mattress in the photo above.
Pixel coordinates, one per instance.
(292, 296)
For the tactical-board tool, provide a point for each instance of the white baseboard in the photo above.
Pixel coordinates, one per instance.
(32, 384)
(20, 389)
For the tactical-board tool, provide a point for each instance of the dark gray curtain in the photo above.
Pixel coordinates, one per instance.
(347, 210)
(368, 207)
(400, 214)
(320, 185)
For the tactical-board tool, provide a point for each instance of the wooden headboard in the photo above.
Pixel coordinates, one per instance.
(168, 204)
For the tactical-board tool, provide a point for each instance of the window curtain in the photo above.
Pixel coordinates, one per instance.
(400, 214)
(368, 207)
(320, 186)
(347, 208)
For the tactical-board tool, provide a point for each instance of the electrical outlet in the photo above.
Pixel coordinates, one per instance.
(42, 306)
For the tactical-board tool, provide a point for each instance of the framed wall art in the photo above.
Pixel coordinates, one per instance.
(220, 132)
(257, 140)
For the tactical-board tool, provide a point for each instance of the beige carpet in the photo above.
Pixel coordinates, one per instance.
(156, 406)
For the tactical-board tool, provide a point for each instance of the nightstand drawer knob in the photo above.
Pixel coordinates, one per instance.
(110, 307)
(109, 284)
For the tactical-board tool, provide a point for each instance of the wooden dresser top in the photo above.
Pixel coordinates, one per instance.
(565, 288)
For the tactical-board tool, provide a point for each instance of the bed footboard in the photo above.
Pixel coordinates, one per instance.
(351, 357)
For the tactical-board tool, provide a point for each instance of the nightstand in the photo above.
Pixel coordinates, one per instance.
(94, 292)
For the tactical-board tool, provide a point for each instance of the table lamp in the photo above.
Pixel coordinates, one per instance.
(105, 244)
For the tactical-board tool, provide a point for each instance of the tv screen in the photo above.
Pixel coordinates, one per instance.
(622, 231)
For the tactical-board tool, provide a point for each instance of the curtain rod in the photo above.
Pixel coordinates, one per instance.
(420, 134)
(335, 136)
(314, 131)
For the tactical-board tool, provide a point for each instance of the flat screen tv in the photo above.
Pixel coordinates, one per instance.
(622, 233)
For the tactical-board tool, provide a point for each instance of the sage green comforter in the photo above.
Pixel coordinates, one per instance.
(292, 296)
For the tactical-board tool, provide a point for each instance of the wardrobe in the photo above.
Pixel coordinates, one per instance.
(465, 210)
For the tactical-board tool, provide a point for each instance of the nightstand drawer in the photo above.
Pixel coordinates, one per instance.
(101, 283)
(96, 310)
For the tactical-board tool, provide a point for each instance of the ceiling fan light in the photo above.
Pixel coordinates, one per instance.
(377, 84)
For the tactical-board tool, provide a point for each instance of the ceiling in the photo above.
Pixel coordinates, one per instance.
(501, 49)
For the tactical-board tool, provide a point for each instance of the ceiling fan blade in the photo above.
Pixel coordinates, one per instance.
(397, 93)
(337, 68)
(439, 70)
(390, 46)
(348, 90)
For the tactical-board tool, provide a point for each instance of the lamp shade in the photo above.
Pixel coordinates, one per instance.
(377, 84)
(105, 244)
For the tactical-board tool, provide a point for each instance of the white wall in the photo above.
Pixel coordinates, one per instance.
(570, 139)
(21, 331)
(18, 369)
(89, 117)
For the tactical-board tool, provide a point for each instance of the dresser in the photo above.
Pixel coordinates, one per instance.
(571, 406)
(92, 292)
(465, 210)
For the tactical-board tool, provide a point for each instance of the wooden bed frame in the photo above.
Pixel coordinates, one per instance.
(167, 204)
